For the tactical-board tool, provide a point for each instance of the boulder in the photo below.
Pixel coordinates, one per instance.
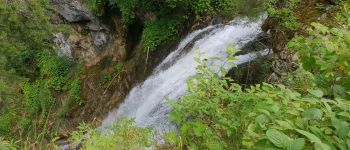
(64, 49)
(72, 10)
(100, 40)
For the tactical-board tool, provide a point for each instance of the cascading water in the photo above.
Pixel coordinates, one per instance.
(146, 102)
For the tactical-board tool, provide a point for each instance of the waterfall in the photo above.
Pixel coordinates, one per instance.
(146, 102)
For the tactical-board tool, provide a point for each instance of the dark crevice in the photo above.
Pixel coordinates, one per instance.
(134, 37)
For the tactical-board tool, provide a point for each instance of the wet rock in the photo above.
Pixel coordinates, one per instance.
(216, 20)
(64, 49)
(100, 39)
(72, 10)
(88, 36)
(96, 26)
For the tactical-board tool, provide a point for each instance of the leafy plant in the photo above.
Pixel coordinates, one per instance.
(159, 32)
(217, 113)
(123, 135)
(54, 69)
(326, 55)
(283, 13)
(7, 145)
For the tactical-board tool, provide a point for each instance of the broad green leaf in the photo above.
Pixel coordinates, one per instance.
(313, 113)
(265, 144)
(233, 58)
(342, 127)
(344, 114)
(284, 124)
(297, 144)
(261, 119)
(278, 138)
(317, 93)
(267, 113)
(223, 70)
(310, 136)
(339, 91)
(313, 138)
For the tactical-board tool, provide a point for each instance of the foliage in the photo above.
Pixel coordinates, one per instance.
(123, 135)
(74, 93)
(74, 98)
(8, 99)
(7, 145)
(28, 57)
(127, 7)
(96, 6)
(283, 13)
(202, 6)
(26, 24)
(300, 81)
(217, 113)
(54, 69)
(165, 19)
(159, 32)
(325, 54)
(37, 98)
(107, 80)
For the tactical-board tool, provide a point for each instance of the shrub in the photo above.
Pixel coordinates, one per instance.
(217, 113)
(325, 54)
(124, 136)
(27, 25)
(7, 145)
(37, 98)
(284, 15)
(96, 6)
(74, 93)
(159, 32)
(54, 69)
(74, 98)
(202, 6)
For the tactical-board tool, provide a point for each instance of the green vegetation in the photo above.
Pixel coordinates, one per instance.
(166, 19)
(158, 32)
(121, 136)
(326, 55)
(7, 145)
(310, 113)
(282, 12)
(309, 110)
(31, 74)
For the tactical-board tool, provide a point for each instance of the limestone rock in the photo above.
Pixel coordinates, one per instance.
(72, 10)
(64, 49)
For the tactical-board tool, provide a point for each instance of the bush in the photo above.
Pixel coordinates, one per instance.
(74, 98)
(123, 136)
(284, 15)
(27, 25)
(217, 113)
(7, 145)
(159, 32)
(37, 98)
(202, 6)
(54, 69)
(325, 54)
(169, 15)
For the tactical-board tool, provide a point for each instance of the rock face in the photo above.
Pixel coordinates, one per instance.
(64, 49)
(72, 10)
(88, 36)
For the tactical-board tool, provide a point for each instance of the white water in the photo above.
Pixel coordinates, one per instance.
(146, 102)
